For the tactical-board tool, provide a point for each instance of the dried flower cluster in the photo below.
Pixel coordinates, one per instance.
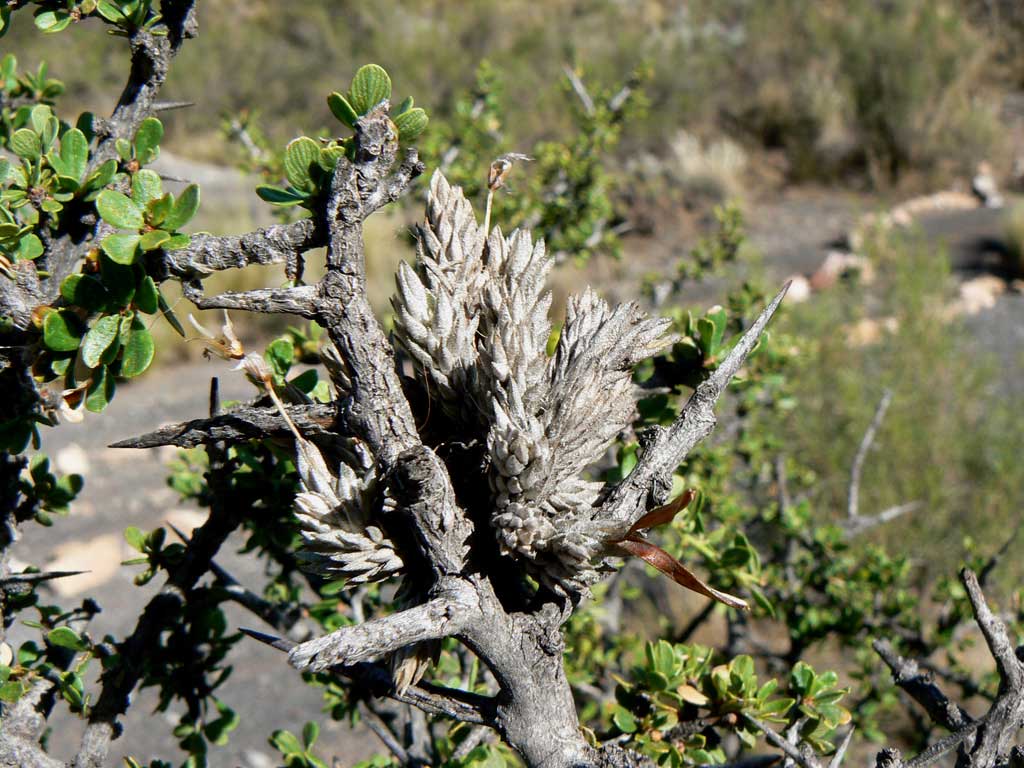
(473, 315)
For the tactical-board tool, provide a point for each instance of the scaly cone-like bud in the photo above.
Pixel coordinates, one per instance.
(475, 321)
(333, 513)
(438, 302)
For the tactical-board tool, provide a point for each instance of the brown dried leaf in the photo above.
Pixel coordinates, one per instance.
(663, 514)
(678, 572)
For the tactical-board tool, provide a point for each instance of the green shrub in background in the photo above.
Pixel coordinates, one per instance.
(907, 87)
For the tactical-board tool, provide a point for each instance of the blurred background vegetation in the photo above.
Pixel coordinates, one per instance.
(905, 92)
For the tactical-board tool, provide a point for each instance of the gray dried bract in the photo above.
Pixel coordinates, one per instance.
(473, 315)
(438, 302)
(334, 512)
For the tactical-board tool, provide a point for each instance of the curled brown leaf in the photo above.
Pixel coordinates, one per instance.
(679, 573)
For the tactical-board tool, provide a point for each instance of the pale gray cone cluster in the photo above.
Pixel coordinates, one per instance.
(333, 513)
(473, 315)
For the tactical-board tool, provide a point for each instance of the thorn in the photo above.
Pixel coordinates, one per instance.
(167, 106)
(728, 368)
(274, 642)
(35, 578)
(180, 533)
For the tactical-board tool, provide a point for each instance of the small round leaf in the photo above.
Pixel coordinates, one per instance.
(138, 350)
(147, 140)
(65, 637)
(119, 210)
(370, 86)
(147, 298)
(299, 155)
(121, 247)
(62, 331)
(411, 124)
(342, 110)
(99, 338)
(25, 143)
(183, 210)
(153, 240)
(279, 196)
(146, 186)
(101, 390)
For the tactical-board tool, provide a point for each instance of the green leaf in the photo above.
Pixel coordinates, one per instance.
(299, 155)
(118, 279)
(777, 707)
(60, 365)
(310, 733)
(762, 601)
(119, 210)
(279, 196)
(136, 539)
(411, 124)
(25, 143)
(801, 677)
(99, 338)
(735, 557)
(102, 175)
(157, 210)
(624, 720)
(177, 241)
(84, 291)
(62, 331)
(85, 123)
(121, 247)
(40, 117)
(286, 743)
(101, 390)
(138, 350)
(72, 688)
(153, 240)
(217, 731)
(707, 337)
(169, 315)
(30, 247)
(74, 154)
(405, 106)
(28, 653)
(719, 319)
(333, 587)
(147, 140)
(110, 11)
(66, 637)
(342, 110)
(280, 353)
(124, 149)
(5, 169)
(370, 86)
(329, 156)
(146, 186)
(10, 691)
(184, 209)
(306, 381)
(147, 298)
